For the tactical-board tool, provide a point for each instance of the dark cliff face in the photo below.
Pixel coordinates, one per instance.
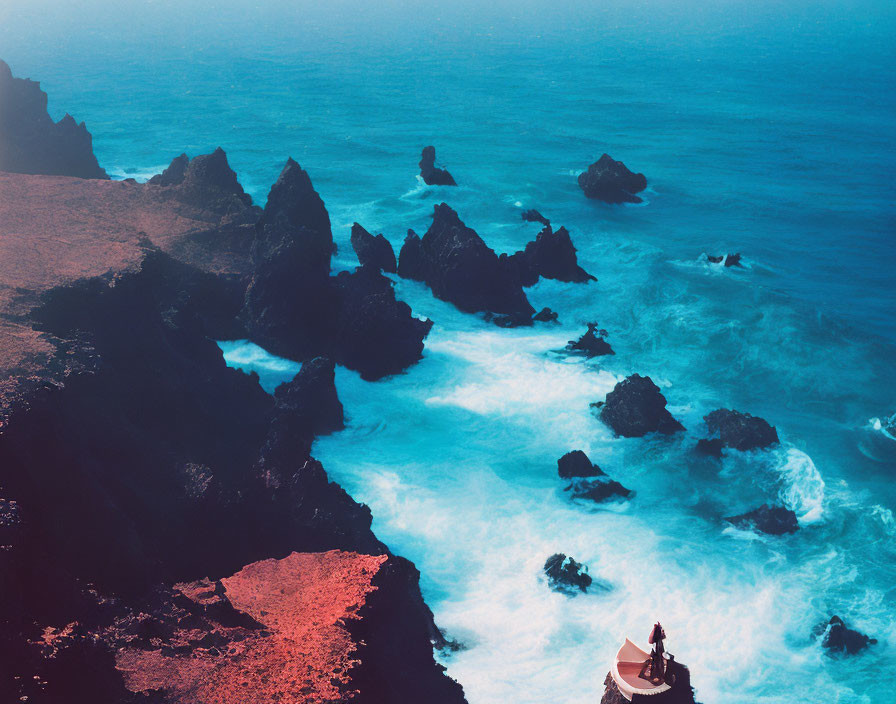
(397, 630)
(460, 268)
(150, 461)
(31, 143)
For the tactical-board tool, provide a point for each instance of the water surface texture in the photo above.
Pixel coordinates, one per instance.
(763, 128)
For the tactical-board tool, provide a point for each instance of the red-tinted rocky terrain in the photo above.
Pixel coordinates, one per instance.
(159, 512)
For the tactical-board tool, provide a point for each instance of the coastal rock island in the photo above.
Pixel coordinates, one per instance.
(611, 181)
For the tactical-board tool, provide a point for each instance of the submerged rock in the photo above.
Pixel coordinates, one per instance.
(588, 480)
(431, 175)
(373, 251)
(533, 215)
(566, 575)
(460, 268)
(729, 259)
(31, 143)
(592, 344)
(711, 447)
(611, 181)
(577, 464)
(545, 315)
(636, 407)
(837, 638)
(773, 520)
(597, 490)
(741, 431)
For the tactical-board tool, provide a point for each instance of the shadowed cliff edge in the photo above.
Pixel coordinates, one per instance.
(149, 494)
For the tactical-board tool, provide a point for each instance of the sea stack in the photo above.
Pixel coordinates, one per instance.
(431, 175)
(611, 181)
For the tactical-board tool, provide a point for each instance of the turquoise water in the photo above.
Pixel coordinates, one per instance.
(763, 128)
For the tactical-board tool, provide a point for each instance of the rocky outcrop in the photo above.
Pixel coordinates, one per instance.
(773, 520)
(373, 332)
(636, 407)
(551, 256)
(592, 344)
(207, 182)
(310, 399)
(545, 315)
(741, 431)
(566, 575)
(837, 638)
(431, 175)
(460, 268)
(294, 308)
(533, 215)
(588, 481)
(611, 181)
(373, 251)
(729, 259)
(31, 143)
(576, 464)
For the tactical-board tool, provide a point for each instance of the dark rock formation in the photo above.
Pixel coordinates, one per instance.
(730, 259)
(460, 268)
(592, 344)
(566, 575)
(296, 309)
(773, 520)
(545, 315)
(373, 332)
(518, 268)
(373, 251)
(837, 638)
(553, 256)
(207, 182)
(636, 407)
(741, 431)
(588, 480)
(132, 458)
(577, 464)
(311, 399)
(431, 175)
(31, 143)
(533, 215)
(611, 181)
(711, 447)
(597, 490)
(397, 633)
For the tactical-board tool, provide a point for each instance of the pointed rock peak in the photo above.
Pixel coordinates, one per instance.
(174, 174)
(293, 197)
(445, 215)
(212, 170)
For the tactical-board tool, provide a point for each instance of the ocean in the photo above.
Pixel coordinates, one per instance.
(763, 128)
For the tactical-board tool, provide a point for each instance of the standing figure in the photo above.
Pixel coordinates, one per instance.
(654, 669)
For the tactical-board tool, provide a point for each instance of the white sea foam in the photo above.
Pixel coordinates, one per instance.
(803, 487)
(141, 174)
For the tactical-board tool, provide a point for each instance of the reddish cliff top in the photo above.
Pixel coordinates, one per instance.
(55, 230)
(303, 652)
